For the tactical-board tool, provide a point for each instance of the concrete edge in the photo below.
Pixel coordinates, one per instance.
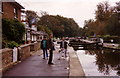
(75, 66)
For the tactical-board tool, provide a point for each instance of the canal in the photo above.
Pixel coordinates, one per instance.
(100, 62)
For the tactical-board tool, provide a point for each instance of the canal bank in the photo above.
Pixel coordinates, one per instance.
(75, 65)
(111, 46)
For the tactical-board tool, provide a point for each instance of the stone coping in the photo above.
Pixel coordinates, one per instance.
(75, 65)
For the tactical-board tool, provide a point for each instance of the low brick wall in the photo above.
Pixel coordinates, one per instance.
(7, 58)
(23, 52)
(35, 46)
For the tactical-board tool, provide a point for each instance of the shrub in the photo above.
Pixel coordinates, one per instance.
(4, 42)
(13, 30)
(106, 36)
(12, 44)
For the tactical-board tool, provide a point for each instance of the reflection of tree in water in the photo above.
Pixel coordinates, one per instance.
(106, 60)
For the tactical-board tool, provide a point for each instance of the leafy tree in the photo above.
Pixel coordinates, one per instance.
(113, 24)
(107, 20)
(90, 27)
(60, 26)
(31, 17)
(44, 29)
(103, 11)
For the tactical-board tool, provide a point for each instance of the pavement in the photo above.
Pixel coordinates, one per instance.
(35, 65)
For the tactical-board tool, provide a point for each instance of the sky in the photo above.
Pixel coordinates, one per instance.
(79, 10)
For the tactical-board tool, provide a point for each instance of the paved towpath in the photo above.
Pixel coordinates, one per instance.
(36, 66)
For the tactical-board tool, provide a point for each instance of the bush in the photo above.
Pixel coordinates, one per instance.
(22, 42)
(108, 38)
(4, 42)
(13, 30)
(119, 46)
(12, 44)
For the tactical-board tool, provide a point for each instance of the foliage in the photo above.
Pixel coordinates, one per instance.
(60, 26)
(12, 30)
(113, 24)
(107, 21)
(119, 46)
(12, 44)
(103, 11)
(4, 42)
(106, 36)
(44, 29)
(31, 17)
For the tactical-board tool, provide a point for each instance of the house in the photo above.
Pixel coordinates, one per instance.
(31, 35)
(11, 10)
(0, 11)
(0, 7)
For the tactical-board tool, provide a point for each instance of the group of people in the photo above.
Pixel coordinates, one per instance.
(47, 44)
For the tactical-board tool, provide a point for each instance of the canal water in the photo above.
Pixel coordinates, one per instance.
(100, 62)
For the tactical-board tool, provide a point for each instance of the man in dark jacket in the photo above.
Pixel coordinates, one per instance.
(51, 48)
(63, 46)
(44, 47)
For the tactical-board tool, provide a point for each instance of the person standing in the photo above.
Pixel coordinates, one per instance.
(51, 48)
(44, 47)
(63, 46)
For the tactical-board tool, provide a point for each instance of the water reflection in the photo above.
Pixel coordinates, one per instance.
(106, 60)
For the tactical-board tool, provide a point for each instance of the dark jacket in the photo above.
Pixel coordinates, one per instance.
(50, 44)
(42, 45)
(65, 45)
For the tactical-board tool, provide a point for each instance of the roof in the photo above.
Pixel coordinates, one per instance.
(18, 5)
(38, 33)
(15, 3)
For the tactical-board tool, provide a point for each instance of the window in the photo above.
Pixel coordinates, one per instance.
(1, 7)
(15, 13)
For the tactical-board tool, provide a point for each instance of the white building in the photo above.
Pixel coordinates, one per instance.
(31, 35)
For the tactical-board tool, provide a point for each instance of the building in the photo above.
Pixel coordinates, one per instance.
(11, 10)
(32, 35)
(0, 7)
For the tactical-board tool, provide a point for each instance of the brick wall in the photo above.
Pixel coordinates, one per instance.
(8, 11)
(6, 58)
(23, 52)
(35, 46)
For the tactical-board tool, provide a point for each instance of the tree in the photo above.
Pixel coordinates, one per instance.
(103, 11)
(106, 20)
(44, 29)
(90, 27)
(31, 17)
(113, 24)
(60, 26)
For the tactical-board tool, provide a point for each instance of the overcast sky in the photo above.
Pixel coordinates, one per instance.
(79, 10)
